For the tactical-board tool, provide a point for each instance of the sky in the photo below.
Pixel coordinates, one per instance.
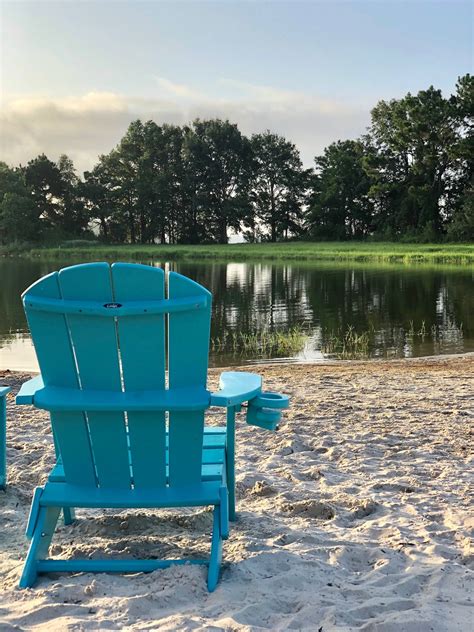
(73, 74)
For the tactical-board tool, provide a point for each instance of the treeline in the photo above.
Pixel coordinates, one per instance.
(410, 177)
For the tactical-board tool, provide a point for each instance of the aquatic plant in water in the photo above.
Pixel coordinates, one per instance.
(262, 343)
(347, 345)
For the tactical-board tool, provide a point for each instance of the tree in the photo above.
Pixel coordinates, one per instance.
(11, 180)
(43, 178)
(218, 169)
(339, 206)
(98, 198)
(19, 217)
(163, 181)
(278, 187)
(144, 182)
(459, 202)
(56, 192)
(127, 181)
(412, 162)
(462, 225)
(72, 216)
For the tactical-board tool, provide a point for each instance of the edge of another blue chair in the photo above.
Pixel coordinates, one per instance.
(3, 436)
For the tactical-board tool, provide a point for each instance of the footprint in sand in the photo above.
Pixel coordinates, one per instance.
(310, 474)
(363, 508)
(291, 447)
(310, 509)
(262, 488)
(394, 487)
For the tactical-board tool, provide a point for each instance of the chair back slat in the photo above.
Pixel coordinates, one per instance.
(50, 334)
(188, 350)
(142, 351)
(74, 444)
(188, 336)
(94, 341)
(185, 447)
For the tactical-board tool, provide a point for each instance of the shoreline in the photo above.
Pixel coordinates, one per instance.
(432, 361)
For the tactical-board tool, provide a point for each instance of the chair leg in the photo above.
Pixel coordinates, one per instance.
(231, 488)
(3, 438)
(216, 552)
(230, 461)
(42, 536)
(224, 512)
(69, 515)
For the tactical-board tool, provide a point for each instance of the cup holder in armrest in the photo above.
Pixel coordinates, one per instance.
(264, 410)
(271, 400)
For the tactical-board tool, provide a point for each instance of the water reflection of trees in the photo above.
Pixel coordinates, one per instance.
(390, 302)
(253, 297)
(394, 304)
(15, 276)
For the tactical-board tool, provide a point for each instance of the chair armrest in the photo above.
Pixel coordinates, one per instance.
(4, 390)
(28, 389)
(236, 387)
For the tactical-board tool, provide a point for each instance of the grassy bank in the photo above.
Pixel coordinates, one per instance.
(381, 252)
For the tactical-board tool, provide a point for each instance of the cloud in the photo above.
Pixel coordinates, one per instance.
(179, 90)
(88, 125)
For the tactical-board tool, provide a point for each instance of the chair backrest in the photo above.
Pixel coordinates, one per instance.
(112, 328)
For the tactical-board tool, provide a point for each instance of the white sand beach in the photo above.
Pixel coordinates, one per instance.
(355, 515)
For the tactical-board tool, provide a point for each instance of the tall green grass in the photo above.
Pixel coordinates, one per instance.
(347, 345)
(377, 252)
(260, 344)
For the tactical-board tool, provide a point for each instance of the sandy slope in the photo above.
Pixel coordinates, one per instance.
(353, 516)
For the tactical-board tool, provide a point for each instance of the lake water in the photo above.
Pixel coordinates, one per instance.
(407, 311)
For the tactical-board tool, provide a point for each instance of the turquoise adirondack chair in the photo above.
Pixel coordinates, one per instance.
(3, 436)
(123, 375)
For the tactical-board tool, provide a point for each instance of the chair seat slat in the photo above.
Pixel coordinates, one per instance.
(66, 495)
(209, 472)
